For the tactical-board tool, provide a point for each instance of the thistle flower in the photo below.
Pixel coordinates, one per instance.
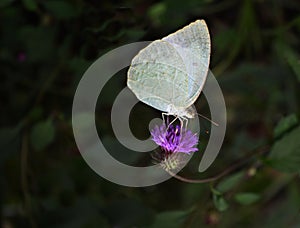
(174, 139)
(176, 144)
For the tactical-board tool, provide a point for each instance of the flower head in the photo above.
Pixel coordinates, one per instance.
(174, 139)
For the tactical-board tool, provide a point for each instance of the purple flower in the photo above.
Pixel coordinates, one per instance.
(174, 139)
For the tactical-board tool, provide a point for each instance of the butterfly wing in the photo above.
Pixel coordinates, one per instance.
(157, 76)
(172, 71)
(193, 45)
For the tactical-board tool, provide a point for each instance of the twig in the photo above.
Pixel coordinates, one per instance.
(226, 171)
(24, 181)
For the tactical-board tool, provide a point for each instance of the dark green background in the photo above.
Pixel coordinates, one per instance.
(45, 46)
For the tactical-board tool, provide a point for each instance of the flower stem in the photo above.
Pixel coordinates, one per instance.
(234, 166)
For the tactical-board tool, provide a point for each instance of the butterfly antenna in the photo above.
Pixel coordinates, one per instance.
(204, 117)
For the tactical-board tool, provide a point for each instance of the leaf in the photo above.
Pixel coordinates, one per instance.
(61, 9)
(42, 134)
(157, 11)
(215, 191)
(170, 219)
(246, 198)
(285, 124)
(35, 113)
(30, 5)
(294, 62)
(220, 203)
(285, 153)
(290, 56)
(230, 182)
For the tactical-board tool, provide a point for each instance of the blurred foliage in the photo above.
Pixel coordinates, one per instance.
(45, 48)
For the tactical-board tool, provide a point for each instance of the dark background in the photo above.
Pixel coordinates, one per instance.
(45, 47)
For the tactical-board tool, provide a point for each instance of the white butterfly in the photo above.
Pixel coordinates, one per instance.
(170, 73)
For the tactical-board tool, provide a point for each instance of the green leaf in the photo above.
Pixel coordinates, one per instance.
(215, 191)
(30, 5)
(220, 203)
(157, 11)
(170, 219)
(285, 124)
(285, 153)
(290, 56)
(35, 113)
(61, 9)
(246, 198)
(42, 134)
(230, 182)
(294, 62)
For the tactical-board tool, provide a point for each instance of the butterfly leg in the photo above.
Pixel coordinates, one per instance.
(183, 119)
(176, 117)
(163, 114)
